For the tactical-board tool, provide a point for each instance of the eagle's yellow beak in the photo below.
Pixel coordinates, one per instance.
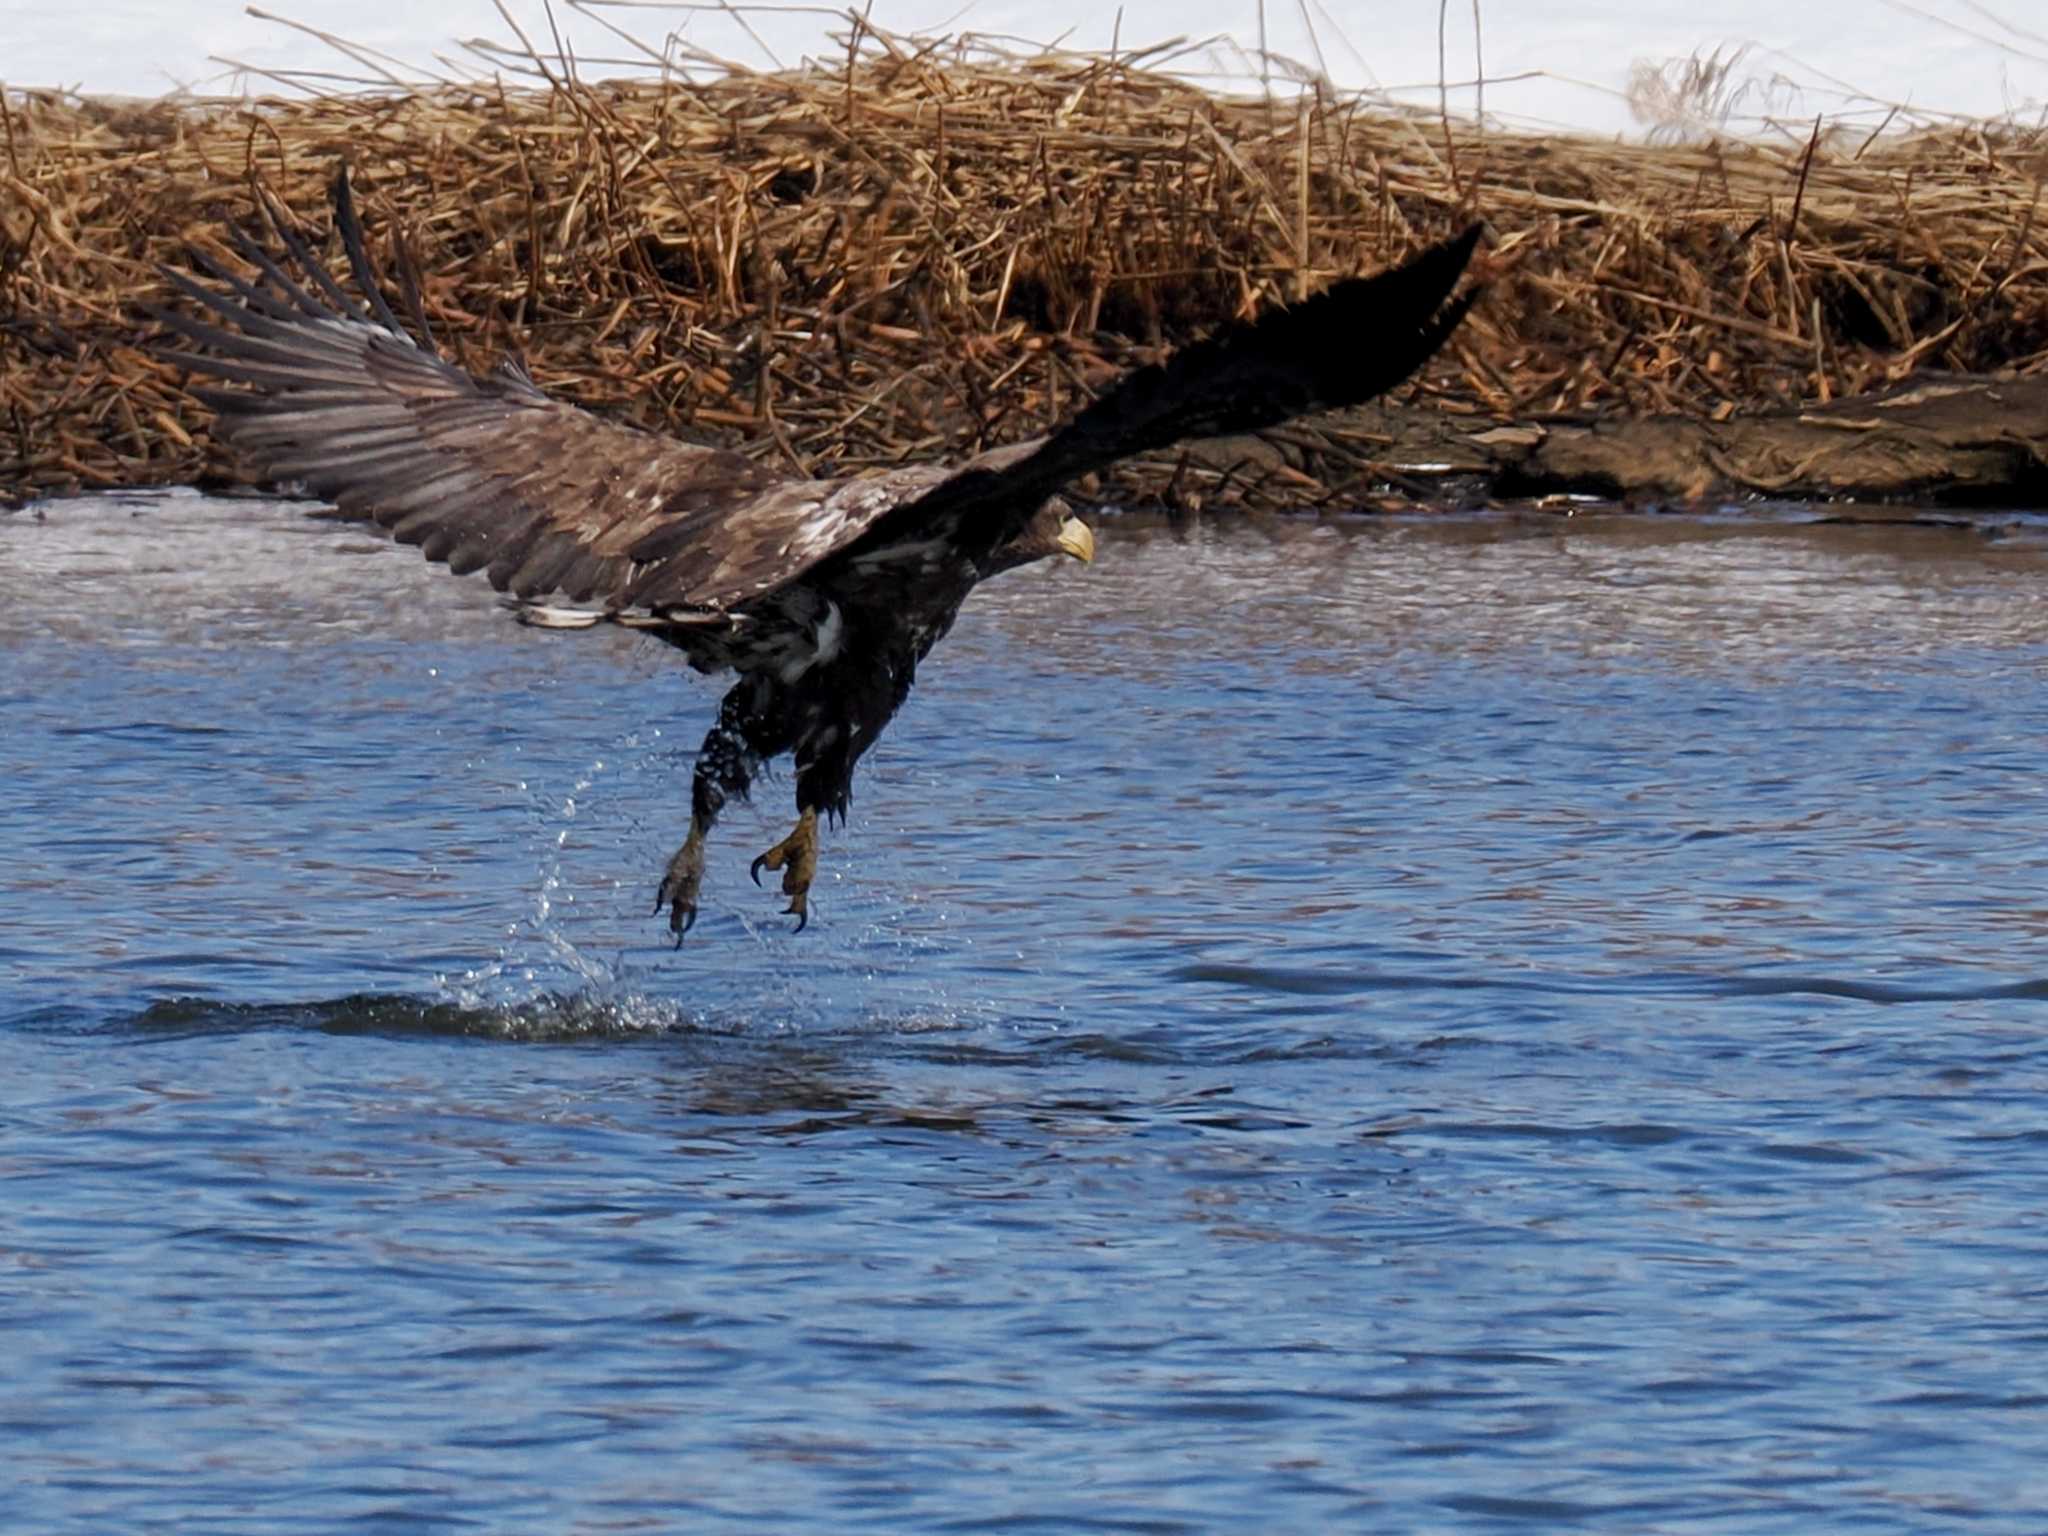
(1077, 539)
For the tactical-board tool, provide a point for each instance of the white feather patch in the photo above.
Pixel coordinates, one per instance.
(541, 616)
(831, 633)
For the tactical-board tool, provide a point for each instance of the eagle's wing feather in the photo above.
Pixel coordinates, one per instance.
(490, 473)
(1354, 340)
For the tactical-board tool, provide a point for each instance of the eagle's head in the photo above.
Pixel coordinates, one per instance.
(1053, 530)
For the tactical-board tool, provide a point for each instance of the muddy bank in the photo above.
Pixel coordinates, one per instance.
(1940, 439)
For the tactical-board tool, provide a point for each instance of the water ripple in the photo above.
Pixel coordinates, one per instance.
(1668, 984)
(1457, 1024)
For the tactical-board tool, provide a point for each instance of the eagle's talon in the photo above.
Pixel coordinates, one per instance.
(797, 857)
(754, 869)
(679, 885)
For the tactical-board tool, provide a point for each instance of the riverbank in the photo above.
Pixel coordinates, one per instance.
(932, 248)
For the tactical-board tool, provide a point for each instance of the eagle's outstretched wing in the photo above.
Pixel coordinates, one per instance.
(1354, 340)
(489, 473)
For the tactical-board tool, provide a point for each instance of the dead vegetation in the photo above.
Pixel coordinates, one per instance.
(935, 246)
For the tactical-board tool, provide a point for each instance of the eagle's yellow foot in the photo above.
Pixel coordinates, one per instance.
(679, 885)
(797, 857)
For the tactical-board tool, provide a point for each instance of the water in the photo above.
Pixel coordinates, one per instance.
(1413, 1025)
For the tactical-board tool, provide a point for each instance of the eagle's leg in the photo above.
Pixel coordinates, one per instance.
(797, 857)
(732, 750)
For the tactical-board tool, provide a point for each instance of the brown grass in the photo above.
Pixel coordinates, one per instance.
(934, 247)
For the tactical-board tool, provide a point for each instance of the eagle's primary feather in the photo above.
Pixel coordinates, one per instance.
(823, 595)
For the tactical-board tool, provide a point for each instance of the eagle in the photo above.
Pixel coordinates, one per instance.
(821, 597)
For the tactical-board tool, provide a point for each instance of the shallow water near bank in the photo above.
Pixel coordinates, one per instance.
(1427, 1023)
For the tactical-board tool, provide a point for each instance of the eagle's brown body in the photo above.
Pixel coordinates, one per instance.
(823, 596)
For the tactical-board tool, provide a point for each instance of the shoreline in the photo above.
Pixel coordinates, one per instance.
(927, 252)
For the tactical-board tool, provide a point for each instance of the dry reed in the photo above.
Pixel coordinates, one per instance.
(936, 246)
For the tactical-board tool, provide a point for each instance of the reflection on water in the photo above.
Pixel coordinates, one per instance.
(1405, 1024)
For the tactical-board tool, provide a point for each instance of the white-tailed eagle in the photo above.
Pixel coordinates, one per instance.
(822, 595)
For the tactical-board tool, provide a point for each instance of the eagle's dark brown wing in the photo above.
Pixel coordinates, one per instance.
(489, 473)
(1354, 340)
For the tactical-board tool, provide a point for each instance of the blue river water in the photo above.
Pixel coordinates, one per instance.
(1451, 1024)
